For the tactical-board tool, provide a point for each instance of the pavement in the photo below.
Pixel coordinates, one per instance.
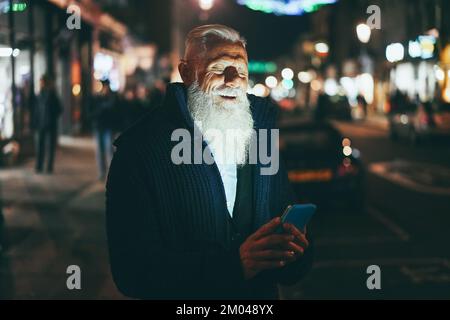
(52, 222)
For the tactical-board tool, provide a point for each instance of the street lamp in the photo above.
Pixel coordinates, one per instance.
(363, 32)
(206, 5)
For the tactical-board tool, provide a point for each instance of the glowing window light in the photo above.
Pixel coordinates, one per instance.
(76, 90)
(347, 151)
(287, 84)
(363, 32)
(285, 7)
(206, 4)
(427, 44)
(304, 77)
(346, 142)
(316, 85)
(98, 86)
(446, 95)
(287, 74)
(322, 48)
(331, 87)
(395, 52)
(414, 49)
(439, 74)
(8, 52)
(260, 90)
(366, 86)
(271, 82)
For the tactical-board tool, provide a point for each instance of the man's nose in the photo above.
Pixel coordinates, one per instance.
(232, 78)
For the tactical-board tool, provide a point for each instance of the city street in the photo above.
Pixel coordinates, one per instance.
(404, 229)
(362, 91)
(56, 221)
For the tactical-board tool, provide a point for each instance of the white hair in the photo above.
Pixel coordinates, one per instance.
(202, 36)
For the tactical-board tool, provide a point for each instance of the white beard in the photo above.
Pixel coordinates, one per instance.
(226, 126)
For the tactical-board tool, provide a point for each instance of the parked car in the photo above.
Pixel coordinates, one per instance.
(419, 122)
(323, 166)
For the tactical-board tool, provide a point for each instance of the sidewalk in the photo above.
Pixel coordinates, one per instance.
(53, 221)
(377, 120)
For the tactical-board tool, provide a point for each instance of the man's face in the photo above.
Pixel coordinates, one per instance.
(222, 72)
(217, 100)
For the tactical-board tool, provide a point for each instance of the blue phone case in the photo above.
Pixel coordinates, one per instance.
(299, 215)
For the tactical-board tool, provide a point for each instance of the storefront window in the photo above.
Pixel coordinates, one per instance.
(22, 71)
(6, 112)
(39, 43)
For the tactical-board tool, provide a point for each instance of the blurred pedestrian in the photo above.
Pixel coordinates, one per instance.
(46, 115)
(142, 105)
(104, 118)
(158, 92)
(362, 104)
(397, 101)
(128, 107)
(321, 108)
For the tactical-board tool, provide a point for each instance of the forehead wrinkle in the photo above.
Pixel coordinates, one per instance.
(228, 59)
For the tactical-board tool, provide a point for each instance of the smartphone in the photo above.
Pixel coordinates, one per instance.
(298, 215)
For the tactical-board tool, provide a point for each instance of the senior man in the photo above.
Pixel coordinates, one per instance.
(202, 230)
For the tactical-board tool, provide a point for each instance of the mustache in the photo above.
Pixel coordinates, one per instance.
(227, 91)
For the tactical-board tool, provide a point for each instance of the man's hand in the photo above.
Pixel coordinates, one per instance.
(265, 249)
(300, 241)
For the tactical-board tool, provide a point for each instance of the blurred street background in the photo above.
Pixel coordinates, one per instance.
(363, 89)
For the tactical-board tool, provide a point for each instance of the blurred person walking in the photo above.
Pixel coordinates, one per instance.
(46, 115)
(362, 105)
(2, 222)
(158, 92)
(103, 121)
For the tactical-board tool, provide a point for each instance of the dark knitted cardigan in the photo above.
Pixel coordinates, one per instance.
(166, 223)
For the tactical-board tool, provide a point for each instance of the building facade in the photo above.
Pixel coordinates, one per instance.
(38, 37)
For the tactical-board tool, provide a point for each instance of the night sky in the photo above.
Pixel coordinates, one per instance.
(268, 35)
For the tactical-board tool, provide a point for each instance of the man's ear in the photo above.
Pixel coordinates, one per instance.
(186, 73)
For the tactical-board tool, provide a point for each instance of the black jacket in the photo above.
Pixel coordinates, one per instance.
(47, 111)
(166, 223)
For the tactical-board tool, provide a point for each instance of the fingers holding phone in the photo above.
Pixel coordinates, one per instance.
(267, 249)
(300, 243)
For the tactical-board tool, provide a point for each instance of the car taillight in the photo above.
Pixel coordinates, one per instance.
(347, 168)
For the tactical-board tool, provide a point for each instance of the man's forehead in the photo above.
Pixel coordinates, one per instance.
(226, 51)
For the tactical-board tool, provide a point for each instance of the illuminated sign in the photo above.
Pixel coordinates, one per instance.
(285, 7)
(16, 7)
(262, 67)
